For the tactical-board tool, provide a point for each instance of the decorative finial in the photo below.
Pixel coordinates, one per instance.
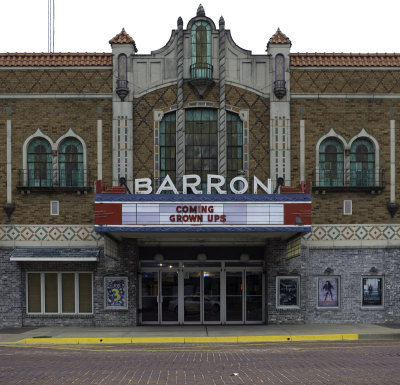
(221, 23)
(200, 11)
(180, 22)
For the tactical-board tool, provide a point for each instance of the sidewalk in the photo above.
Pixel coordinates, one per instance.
(197, 334)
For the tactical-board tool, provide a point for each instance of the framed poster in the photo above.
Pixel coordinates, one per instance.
(372, 291)
(116, 292)
(287, 289)
(328, 292)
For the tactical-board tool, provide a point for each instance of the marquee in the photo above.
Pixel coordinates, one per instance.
(207, 212)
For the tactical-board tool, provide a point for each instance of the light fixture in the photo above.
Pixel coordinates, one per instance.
(244, 257)
(158, 257)
(201, 257)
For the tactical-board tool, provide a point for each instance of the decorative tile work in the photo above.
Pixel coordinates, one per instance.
(162, 100)
(258, 128)
(344, 81)
(48, 233)
(78, 81)
(357, 233)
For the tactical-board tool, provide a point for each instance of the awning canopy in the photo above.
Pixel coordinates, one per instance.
(55, 254)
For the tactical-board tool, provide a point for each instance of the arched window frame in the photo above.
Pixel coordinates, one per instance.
(72, 134)
(201, 64)
(25, 147)
(320, 174)
(54, 148)
(70, 163)
(39, 172)
(363, 134)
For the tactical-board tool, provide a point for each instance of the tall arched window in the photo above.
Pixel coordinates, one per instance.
(331, 163)
(201, 135)
(280, 83)
(122, 67)
(201, 67)
(362, 163)
(39, 163)
(234, 148)
(71, 163)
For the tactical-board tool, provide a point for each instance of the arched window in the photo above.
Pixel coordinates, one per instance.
(201, 67)
(279, 67)
(280, 83)
(168, 146)
(71, 163)
(39, 163)
(331, 163)
(362, 163)
(234, 148)
(201, 135)
(122, 67)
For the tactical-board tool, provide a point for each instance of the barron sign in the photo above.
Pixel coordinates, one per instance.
(215, 183)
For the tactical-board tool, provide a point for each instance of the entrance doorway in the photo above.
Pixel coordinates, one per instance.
(214, 293)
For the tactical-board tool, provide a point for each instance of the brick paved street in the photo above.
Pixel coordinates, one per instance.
(361, 362)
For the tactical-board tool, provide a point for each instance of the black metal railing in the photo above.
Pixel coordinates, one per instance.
(42, 179)
(280, 88)
(201, 71)
(349, 179)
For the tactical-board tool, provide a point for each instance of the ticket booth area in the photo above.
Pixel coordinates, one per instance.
(191, 292)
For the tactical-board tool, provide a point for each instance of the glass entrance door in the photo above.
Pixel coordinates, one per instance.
(234, 296)
(150, 297)
(202, 297)
(254, 296)
(212, 297)
(169, 297)
(159, 297)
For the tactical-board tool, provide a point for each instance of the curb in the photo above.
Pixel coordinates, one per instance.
(187, 340)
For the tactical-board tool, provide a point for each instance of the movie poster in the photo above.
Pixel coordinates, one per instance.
(288, 291)
(116, 292)
(328, 292)
(372, 291)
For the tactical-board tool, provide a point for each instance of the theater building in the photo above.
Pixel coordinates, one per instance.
(199, 184)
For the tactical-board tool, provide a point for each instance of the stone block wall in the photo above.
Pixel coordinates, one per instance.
(351, 265)
(12, 289)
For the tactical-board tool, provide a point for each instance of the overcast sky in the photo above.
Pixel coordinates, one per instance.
(312, 25)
